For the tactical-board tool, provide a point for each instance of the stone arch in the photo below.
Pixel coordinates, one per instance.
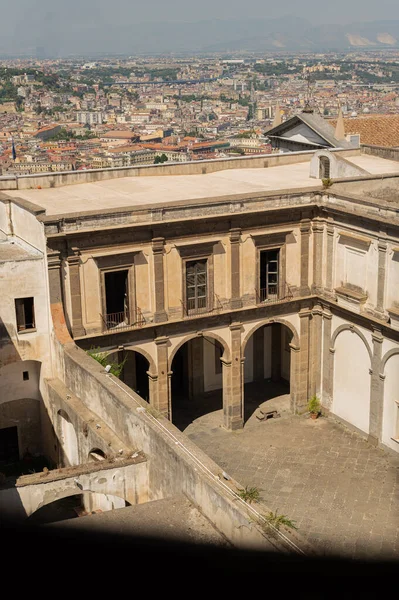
(210, 334)
(196, 376)
(291, 367)
(295, 338)
(387, 356)
(74, 492)
(351, 377)
(354, 330)
(147, 355)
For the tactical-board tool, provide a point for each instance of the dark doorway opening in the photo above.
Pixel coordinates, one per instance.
(142, 384)
(116, 292)
(194, 364)
(180, 380)
(9, 449)
(267, 381)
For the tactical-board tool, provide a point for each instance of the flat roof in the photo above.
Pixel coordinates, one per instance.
(138, 191)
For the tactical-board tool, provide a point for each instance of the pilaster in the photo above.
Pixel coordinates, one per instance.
(302, 363)
(382, 260)
(318, 233)
(316, 350)
(327, 359)
(376, 389)
(160, 314)
(330, 257)
(305, 235)
(76, 294)
(162, 400)
(235, 240)
(233, 396)
(54, 273)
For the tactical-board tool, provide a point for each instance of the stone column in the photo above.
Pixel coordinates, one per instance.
(382, 259)
(259, 354)
(196, 367)
(163, 400)
(54, 275)
(305, 234)
(330, 257)
(159, 283)
(316, 350)
(233, 409)
(235, 239)
(327, 370)
(302, 364)
(76, 295)
(318, 233)
(276, 352)
(376, 389)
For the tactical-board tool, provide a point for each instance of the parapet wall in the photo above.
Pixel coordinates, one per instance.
(49, 180)
(381, 151)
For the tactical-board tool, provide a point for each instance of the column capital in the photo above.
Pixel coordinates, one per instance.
(158, 245)
(377, 336)
(235, 235)
(305, 226)
(161, 340)
(235, 327)
(382, 246)
(54, 259)
(317, 227)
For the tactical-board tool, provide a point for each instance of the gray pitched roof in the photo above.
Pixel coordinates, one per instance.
(315, 122)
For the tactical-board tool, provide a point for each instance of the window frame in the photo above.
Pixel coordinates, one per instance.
(196, 297)
(197, 252)
(122, 262)
(20, 328)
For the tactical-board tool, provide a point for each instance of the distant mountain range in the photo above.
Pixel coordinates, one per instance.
(74, 36)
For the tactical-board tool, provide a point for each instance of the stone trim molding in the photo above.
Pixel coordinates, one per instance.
(353, 329)
(356, 241)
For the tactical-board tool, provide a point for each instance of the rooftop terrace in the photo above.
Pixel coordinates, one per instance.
(138, 190)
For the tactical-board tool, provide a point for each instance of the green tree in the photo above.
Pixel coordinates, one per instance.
(160, 159)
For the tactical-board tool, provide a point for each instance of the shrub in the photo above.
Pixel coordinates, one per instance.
(249, 495)
(102, 358)
(314, 405)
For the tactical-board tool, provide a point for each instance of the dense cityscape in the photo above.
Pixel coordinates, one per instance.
(74, 114)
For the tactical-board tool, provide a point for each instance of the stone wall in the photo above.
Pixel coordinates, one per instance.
(175, 464)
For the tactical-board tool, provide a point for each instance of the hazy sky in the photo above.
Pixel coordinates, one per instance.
(63, 27)
(335, 11)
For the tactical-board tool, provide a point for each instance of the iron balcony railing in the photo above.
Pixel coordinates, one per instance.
(273, 293)
(120, 321)
(197, 307)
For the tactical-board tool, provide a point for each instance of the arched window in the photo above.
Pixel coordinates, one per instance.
(324, 167)
(97, 455)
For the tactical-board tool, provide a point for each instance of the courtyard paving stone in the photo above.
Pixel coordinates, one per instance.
(342, 492)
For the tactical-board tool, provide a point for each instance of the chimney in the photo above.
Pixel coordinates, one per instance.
(277, 116)
(340, 128)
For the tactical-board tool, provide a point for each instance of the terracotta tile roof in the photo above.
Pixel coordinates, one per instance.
(377, 130)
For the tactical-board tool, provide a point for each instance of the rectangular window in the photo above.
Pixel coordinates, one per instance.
(269, 275)
(197, 285)
(25, 314)
(116, 285)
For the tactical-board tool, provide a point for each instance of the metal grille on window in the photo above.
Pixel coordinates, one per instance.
(196, 284)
